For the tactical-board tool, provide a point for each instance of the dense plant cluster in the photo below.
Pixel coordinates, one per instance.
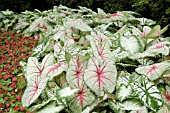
(14, 48)
(90, 61)
(157, 10)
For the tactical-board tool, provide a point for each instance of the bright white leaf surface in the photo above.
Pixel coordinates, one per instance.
(146, 30)
(34, 88)
(160, 47)
(36, 24)
(75, 72)
(34, 68)
(142, 110)
(131, 44)
(100, 77)
(154, 71)
(130, 105)
(56, 69)
(78, 24)
(123, 92)
(81, 99)
(66, 92)
(51, 108)
(100, 46)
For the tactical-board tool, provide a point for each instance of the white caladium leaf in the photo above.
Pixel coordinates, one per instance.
(131, 44)
(56, 69)
(166, 95)
(146, 30)
(164, 109)
(117, 16)
(160, 47)
(154, 71)
(148, 94)
(141, 110)
(81, 99)
(66, 92)
(36, 24)
(123, 92)
(51, 108)
(34, 68)
(34, 88)
(100, 77)
(100, 46)
(141, 55)
(78, 24)
(75, 72)
(130, 105)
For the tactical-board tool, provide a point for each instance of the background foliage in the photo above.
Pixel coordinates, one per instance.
(157, 10)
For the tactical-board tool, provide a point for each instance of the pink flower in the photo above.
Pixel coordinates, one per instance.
(16, 108)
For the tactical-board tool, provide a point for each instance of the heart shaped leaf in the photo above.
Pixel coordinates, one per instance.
(34, 88)
(100, 77)
(75, 72)
(81, 99)
(154, 71)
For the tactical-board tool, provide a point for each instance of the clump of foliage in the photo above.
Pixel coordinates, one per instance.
(90, 61)
(14, 48)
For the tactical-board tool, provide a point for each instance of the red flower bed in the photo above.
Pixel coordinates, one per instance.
(14, 47)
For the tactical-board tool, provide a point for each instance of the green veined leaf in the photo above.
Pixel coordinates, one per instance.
(148, 94)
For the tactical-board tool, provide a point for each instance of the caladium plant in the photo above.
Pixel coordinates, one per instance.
(89, 60)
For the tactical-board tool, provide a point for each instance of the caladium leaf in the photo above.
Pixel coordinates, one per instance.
(141, 110)
(146, 30)
(34, 68)
(154, 71)
(131, 44)
(56, 69)
(66, 92)
(156, 31)
(130, 105)
(81, 99)
(148, 94)
(51, 108)
(78, 24)
(117, 16)
(75, 72)
(159, 48)
(141, 55)
(36, 24)
(123, 92)
(100, 46)
(100, 76)
(34, 88)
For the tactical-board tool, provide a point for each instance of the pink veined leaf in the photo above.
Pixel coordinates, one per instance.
(154, 71)
(143, 33)
(167, 95)
(81, 99)
(100, 77)
(101, 49)
(34, 88)
(160, 47)
(75, 72)
(56, 69)
(34, 68)
(117, 16)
